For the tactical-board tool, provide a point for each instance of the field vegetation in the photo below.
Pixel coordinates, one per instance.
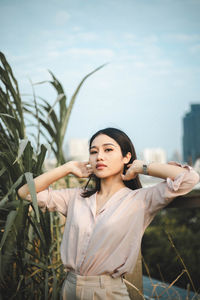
(30, 265)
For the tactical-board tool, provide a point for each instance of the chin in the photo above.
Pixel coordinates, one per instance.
(101, 176)
(104, 175)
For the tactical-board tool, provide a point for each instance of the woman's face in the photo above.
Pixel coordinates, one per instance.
(106, 157)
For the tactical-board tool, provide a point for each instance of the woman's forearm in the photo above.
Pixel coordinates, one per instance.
(164, 170)
(44, 180)
(157, 169)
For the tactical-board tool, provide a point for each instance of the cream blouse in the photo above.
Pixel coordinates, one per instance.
(110, 241)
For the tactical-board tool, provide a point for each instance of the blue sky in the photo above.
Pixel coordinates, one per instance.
(153, 50)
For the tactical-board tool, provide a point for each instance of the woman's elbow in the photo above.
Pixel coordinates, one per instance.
(196, 177)
(22, 193)
(193, 178)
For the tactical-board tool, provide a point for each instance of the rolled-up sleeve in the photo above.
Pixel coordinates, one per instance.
(160, 195)
(55, 200)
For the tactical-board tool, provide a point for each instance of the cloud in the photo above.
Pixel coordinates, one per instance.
(53, 54)
(61, 17)
(150, 39)
(87, 36)
(58, 38)
(182, 37)
(146, 45)
(129, 36)
(195, 49)
(143, 66)
(104, 52)
(76, 28)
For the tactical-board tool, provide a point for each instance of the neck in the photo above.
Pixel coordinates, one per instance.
(111, 185)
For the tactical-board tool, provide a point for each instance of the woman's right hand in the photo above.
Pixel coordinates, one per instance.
(80, 169)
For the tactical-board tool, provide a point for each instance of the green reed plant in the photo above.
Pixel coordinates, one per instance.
(53, 123)
(30, 265)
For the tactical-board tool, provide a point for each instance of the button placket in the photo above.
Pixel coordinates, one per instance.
(84, 250)
(88, 233)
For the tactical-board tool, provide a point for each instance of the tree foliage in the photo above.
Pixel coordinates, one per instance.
(171, 244)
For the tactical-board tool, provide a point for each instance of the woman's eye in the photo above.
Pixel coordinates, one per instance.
(93, 152)
(108, 149)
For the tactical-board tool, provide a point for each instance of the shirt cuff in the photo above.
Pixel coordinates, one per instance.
(174, 184)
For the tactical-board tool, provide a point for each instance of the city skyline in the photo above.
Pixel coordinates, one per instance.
(191, 137)
(153, 51)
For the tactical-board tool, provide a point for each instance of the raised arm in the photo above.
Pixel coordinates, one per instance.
(78, 169)
(179, 180)
(154, 169)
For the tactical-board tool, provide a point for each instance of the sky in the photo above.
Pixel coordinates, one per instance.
(152, 48)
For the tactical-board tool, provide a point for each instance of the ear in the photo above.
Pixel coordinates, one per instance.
(127, 158)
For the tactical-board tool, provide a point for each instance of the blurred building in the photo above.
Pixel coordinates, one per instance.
(176, 156)
(77, 149)
(154, 155)
(191, 135)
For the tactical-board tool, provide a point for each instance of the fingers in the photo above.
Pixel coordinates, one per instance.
(130, 174)
(82, 169)
(88, 169)
(86, 163)
(126, 177)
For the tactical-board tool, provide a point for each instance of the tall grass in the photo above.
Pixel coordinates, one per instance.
(30, 265)
(161, 290)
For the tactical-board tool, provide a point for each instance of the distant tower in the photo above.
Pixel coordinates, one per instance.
(191, 134)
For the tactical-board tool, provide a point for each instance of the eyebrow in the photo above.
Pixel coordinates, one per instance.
(107, 144)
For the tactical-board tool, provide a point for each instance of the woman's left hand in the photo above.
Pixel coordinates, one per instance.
(133, 170)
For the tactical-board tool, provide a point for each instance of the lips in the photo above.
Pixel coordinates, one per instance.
(100, 166)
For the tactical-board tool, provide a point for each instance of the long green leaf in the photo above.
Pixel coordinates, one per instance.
(58, 99)
(9, 223)
(66, 120)
(8, 79)
(40, 265)
(31, 186)
(28, 159)
(14, 186)
(7, 115)
(46, 285)
(2, 171)
(22, 145)
(52, 117)
(57, 85)
(37, 230)
(40, 158)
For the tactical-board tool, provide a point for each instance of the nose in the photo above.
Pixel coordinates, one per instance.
(99, 156)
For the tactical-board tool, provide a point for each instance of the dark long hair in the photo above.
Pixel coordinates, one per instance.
(126, 146)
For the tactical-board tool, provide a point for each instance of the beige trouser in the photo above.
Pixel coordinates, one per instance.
(102, 287)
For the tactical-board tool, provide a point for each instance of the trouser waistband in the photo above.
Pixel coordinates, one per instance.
(97, 280)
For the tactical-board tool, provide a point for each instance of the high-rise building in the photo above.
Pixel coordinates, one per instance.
(191, 134)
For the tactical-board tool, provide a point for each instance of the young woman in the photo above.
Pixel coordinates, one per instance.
(104, 226)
